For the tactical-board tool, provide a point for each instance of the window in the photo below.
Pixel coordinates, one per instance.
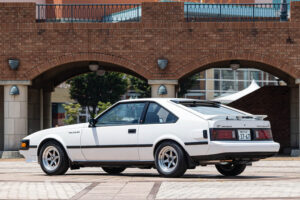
(227, 74)
(213, 109)
(158, 115)
(122, 114)
(217, 73)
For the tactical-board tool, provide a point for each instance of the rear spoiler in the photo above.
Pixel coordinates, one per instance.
(237, 117)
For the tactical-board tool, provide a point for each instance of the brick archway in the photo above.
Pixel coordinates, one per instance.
(137, 69)
(273, 65)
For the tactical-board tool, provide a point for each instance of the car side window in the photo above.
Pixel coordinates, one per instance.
(158, 115)
(122, 114)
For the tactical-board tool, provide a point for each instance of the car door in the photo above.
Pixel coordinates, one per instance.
(158, 121)
(115, 136)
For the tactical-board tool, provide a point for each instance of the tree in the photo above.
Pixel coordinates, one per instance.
(186, 84)
(88, 89)
(72, 111)
(140, 86)
(103, 106)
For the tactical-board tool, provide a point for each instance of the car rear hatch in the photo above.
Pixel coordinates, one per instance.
(239, 128)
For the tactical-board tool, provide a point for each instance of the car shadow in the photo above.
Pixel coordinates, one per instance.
(186, 176)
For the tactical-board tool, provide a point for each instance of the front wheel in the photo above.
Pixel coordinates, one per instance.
(231, 169)
(170, 160)
(113, 170)
(53, 159)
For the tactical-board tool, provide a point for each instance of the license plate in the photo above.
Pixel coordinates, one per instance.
(244, 134)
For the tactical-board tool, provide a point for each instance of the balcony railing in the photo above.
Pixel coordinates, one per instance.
(235, 12)
(89, 12)
(194, 12)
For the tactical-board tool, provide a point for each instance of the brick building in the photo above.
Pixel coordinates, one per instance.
(37, 54)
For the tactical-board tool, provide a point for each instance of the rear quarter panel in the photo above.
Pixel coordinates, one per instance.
(188, 128)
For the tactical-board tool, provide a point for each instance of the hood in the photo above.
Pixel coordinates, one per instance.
(58, 129)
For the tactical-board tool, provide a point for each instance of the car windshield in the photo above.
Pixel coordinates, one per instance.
(213, 109)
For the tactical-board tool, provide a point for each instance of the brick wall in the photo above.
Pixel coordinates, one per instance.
(295, 11)
(15, 13)
(135, 47)
(277, 108)
(161, 12)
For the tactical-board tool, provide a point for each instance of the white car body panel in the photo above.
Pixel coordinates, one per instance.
(218, 147)
(110, 135)
(114, 143)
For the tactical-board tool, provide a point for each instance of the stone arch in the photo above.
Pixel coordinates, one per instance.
(270, 64)
(117, 61)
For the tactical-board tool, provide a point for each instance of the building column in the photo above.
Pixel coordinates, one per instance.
(159, 87)
(15, 116)
(295, 119)
(47, 110)
(1, 118)
(34, 117)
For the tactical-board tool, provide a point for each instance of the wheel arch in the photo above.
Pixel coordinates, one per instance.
(57, 140)
(171, 139)
(191, 164)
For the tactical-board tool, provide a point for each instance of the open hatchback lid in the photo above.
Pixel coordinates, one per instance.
(211, 110)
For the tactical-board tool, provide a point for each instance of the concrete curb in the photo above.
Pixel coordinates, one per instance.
(10, 154)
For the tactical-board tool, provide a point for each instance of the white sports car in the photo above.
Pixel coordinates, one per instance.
(171, 135)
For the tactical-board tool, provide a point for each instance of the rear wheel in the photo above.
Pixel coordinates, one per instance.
(113, 170)
(231, 169)
(53, 159)
(170, 160)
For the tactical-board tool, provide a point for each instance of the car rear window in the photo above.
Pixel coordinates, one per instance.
(213, 109)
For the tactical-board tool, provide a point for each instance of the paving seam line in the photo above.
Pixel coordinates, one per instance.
(84, 191)
(154, 191)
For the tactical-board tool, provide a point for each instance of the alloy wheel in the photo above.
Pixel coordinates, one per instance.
(51, 158)
(168, 159)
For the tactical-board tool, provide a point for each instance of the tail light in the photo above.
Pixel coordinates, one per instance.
(223, 134)
(263, 134)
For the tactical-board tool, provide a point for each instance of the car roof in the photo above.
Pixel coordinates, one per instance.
(175, 100)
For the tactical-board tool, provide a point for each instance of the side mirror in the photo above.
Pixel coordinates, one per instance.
(92, 122)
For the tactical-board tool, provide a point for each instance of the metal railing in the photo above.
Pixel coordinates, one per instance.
(89, 12)
(236, 12)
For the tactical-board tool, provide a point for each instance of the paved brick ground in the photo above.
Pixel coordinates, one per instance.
(277, 179)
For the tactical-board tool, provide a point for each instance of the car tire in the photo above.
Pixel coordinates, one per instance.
(231, 169)
(170, 160)
(113, 170)
(53, 159)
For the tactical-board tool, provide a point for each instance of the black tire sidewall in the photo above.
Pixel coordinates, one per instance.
(236, 170)
(114, 170)
(181, 165)
(64, 161)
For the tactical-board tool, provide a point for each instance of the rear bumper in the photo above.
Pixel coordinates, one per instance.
(236, 150)
(249, 156)
(219, 147)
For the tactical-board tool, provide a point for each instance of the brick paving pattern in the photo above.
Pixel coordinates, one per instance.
(39, 190)
(278, 179)
(230, 189)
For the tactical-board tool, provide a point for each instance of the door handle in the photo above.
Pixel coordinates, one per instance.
(131, 131)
